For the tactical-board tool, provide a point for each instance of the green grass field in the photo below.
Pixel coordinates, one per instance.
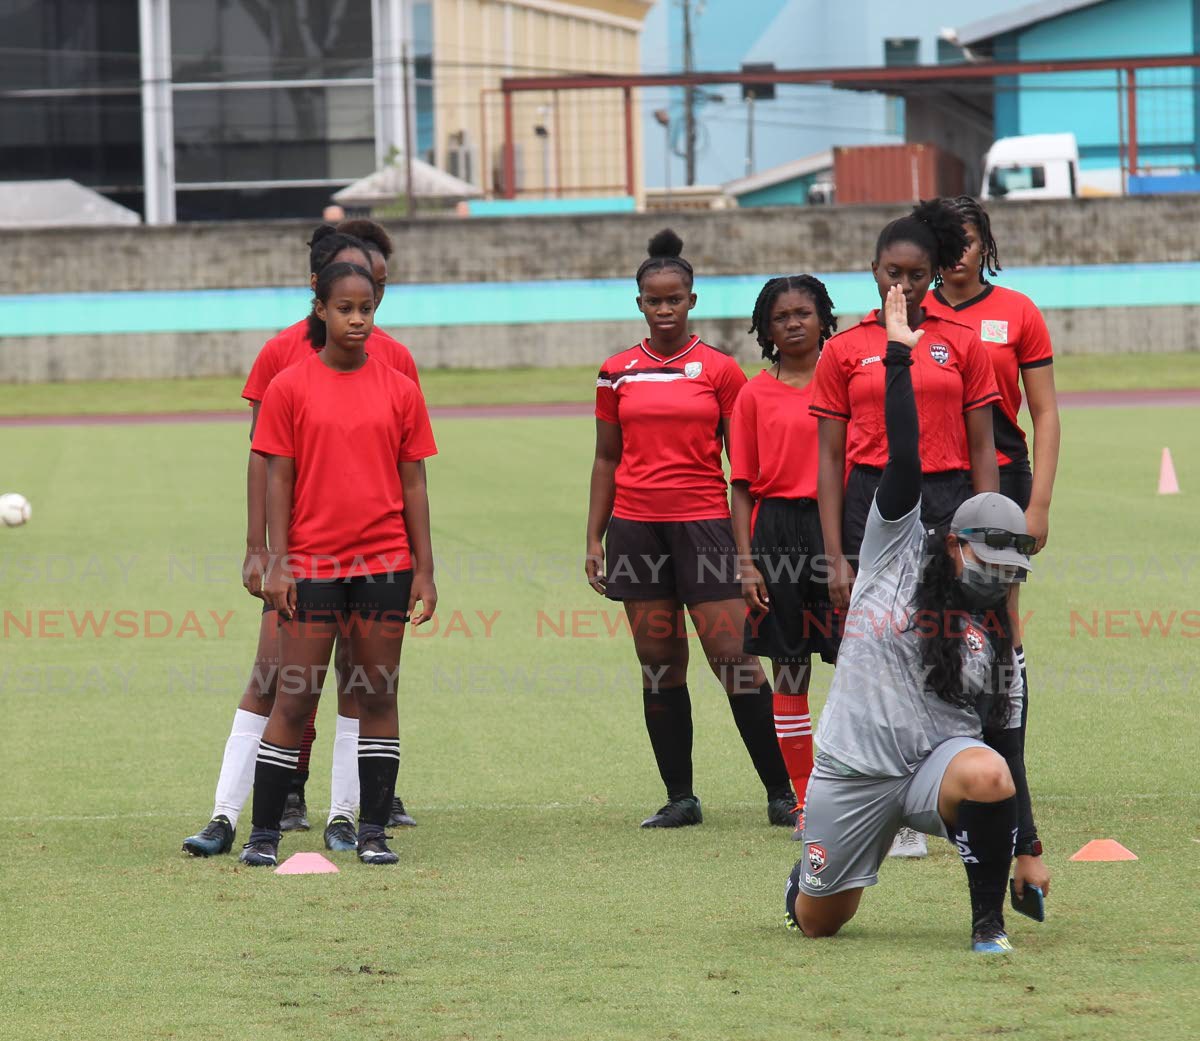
(527, 904)
(515, 387)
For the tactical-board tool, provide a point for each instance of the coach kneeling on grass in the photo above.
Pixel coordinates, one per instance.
(929, 672)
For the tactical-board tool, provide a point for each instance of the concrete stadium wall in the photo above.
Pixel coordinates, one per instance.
(1136, 230)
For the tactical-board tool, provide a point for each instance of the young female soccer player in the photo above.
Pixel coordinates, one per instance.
(1014, 333)
(350, 551)
(954, 389)
(773, 460)
(929, 671)
(287, 348)
(339, 831)
(658, 492)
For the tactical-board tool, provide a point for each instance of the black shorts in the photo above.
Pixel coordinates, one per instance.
(790, 555)
(371, 597)
(1016, 481)
(941, 494)
(691, 562)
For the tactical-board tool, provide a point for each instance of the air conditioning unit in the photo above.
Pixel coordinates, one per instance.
(460, 157)
(518, 167)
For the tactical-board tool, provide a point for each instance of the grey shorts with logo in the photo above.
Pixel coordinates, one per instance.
(850, 820)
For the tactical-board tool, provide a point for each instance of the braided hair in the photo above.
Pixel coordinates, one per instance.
(665, 251)
(775, 288)
(933, 227)
(971, 211)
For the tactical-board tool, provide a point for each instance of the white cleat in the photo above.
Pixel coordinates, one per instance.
(909, 843)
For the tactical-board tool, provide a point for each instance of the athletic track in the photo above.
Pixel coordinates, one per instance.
(1066, 399)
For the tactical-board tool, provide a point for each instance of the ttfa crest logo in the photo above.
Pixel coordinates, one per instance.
(816, 858)
(939, 352)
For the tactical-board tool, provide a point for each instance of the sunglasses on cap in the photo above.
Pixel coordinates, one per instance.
(999, 538)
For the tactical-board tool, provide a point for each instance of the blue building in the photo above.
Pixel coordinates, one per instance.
(1090, 104)
(801, 120)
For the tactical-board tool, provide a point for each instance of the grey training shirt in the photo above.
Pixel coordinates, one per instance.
(880, 720)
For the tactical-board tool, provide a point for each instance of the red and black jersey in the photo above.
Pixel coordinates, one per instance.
(1014, 333)
(773, 440)
(292, 345)
(951, 376)
(347, 432)
(670, 412)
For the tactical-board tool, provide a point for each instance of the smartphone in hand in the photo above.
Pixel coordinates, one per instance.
(1031, 903)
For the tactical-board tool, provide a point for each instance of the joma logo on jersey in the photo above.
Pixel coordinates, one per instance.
(867, 361)
(816, 858)
(993, 332)
(939, 352)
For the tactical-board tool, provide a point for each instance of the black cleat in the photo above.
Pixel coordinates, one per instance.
(340, 835)
(988, 936)
(295, 813)
(216, 838)
(374, 850)
(678, 813)
(400, 817)
(261, 851)
(784, 812)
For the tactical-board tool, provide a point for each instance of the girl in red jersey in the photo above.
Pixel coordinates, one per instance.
(658, 492)
(954, 388)
(350, 549)
(774, 479)
(236, 777)
(1014, 333)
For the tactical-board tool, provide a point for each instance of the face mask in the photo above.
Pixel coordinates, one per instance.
(980, 590)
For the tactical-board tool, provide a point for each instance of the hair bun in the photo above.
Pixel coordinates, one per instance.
(665, 244)
(322, 231)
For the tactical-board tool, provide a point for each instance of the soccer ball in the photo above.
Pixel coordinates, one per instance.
(14, 509)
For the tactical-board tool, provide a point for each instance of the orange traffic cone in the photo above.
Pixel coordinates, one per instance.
(1168, 483)
(1104, 849)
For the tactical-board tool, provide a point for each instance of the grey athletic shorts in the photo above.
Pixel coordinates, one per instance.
(850, 821)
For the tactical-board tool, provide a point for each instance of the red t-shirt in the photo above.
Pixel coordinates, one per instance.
(347, 432)
(951, 376)
(292, 345)
(773, 440)
(1014, 333)
(670, 412)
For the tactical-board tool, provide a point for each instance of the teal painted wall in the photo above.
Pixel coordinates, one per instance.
(786, 193)
(33, 315)
(1086, 103)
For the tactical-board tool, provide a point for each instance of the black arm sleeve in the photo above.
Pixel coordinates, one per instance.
(1008, 742)
(900, 485)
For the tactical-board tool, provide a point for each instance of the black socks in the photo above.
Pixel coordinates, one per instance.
(985, 833)
(668, 713)
(754, 714)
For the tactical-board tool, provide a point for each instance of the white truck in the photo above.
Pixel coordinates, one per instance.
(1043, 166)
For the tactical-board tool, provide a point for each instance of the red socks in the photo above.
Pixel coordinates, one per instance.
(793, 728)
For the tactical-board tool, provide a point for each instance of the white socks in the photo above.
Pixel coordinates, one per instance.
(343, 782)
(237, 765)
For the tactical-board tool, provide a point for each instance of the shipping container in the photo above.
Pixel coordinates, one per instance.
(895, 173)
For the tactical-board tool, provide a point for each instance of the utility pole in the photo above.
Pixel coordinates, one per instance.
(409, 195)
(689, 95)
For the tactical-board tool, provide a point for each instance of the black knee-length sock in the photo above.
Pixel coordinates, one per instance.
(985, 834)
(668, 713)
(273, 773)
(378, 765)
(754, 714)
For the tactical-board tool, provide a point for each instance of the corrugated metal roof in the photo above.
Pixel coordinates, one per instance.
(1030, 14)
(58, 204)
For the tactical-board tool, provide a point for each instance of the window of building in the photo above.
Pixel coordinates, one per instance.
(901, 51)
(237, 40)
